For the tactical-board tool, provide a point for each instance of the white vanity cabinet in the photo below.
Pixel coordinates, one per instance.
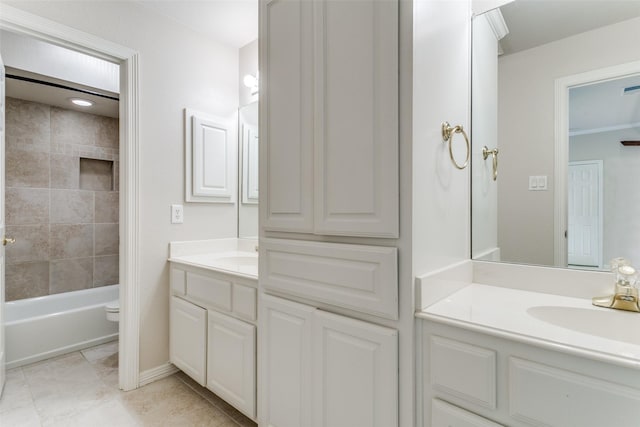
(213, 332)
(325, 370)
(329, 143)
(477, 379)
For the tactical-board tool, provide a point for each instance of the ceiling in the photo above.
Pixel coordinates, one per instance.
(602, 106)
(535, 22)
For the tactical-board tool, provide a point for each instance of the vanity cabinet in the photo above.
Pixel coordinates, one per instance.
(326, 370)
(329, 149)
(487, 380)
(213, 332)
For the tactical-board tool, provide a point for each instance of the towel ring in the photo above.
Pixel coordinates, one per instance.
(447, 135)
(494, 154)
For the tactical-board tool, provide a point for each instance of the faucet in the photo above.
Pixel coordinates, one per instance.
(625, 295)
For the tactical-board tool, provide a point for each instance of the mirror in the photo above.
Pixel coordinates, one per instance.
(556, 89)
(248, 167)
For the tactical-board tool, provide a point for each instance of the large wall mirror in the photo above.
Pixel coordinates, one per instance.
(556, 90)
(248, 167)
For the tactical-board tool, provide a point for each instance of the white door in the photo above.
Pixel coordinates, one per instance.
(2, 352)
(355, 373)
(231, 361)
(584, 239)
(187, 338)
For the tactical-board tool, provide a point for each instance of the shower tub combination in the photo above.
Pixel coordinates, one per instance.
(44, 327)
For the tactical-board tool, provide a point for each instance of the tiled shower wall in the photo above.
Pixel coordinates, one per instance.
(61, 200)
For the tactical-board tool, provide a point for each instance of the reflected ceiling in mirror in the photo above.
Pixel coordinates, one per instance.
(522, 217)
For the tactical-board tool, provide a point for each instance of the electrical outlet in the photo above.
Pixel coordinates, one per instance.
(177, 214)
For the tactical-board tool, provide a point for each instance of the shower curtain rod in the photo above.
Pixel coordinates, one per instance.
(59, 86)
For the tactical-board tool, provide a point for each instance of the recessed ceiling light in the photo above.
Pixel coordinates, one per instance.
(81, 102)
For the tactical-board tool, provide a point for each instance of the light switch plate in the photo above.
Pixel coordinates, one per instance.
(538, 183)
(177, 214)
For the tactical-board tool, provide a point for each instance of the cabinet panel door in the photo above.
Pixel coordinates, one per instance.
(446, 415)
(231, 361)
(355, 373)
(286, 115)
(285, 367)
(356, 118)
(187, 338)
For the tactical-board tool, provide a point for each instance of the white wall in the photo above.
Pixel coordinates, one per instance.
(526, 133)
(484, 106)
(441, 92)
(178, 69)
(621, 204)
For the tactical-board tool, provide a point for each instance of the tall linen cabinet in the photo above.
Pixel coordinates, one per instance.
(329, 213)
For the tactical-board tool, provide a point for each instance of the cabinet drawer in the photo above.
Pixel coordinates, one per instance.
(214, 292)
(446, 415)
(244, 301)
(545, 395)
(355, 277)
(464, 371)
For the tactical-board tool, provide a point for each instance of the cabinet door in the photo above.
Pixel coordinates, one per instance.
(355, 373)
(356, 118)
(187, 338)
(285, 366)
(286, 115)
(231, 361)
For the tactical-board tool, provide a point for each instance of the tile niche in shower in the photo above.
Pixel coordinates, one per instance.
(61, 199)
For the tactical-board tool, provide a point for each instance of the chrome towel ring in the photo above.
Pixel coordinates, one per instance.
(494, 154)
(447, 135)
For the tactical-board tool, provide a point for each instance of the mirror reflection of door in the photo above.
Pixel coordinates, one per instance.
(584, 240)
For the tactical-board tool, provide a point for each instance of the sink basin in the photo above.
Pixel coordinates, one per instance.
(611, 324)
(238, 260)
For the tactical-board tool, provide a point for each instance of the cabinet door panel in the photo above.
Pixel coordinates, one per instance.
(285, 362)
(231, 361)
(187, 338)
(356, 118)
(355, 373)
(446, 415)
(286, 115)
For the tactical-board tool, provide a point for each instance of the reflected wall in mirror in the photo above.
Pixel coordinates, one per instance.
(549, 83)
(248, 167)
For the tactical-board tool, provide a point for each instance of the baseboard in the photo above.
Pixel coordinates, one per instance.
(157, 373)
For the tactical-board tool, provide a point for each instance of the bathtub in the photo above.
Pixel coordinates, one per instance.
(44, 327)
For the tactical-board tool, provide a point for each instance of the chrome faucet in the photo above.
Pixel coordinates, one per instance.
(625, 295)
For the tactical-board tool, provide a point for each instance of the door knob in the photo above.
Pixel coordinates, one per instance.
(8, 240)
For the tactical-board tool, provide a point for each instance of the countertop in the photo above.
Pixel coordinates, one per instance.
(567, 324)
(239, 263)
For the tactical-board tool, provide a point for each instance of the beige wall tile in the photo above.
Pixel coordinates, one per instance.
(26, 280)
(26, 206)
(107, 206)
(71, 241)
(73, 127)
(71, 207)
(70, 275)
(27, 169)
(64, 171)
(107, 239)
(96, 174)
(108, 134)
(28, 125)
(32, 243)
(106, 270)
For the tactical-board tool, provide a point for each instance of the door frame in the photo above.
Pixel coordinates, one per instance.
(27, 24)
(562, 86)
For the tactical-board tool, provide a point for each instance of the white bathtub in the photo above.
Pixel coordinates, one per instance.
(44, 327)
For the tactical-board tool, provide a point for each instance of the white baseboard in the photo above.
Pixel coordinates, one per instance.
(157, 373)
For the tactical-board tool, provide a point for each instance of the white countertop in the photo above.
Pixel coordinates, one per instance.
(567, 324)
(239, 263)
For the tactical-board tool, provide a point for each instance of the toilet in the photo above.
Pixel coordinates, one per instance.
(113, 310)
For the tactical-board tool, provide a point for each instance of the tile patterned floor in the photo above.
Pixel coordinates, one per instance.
(81, 389)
